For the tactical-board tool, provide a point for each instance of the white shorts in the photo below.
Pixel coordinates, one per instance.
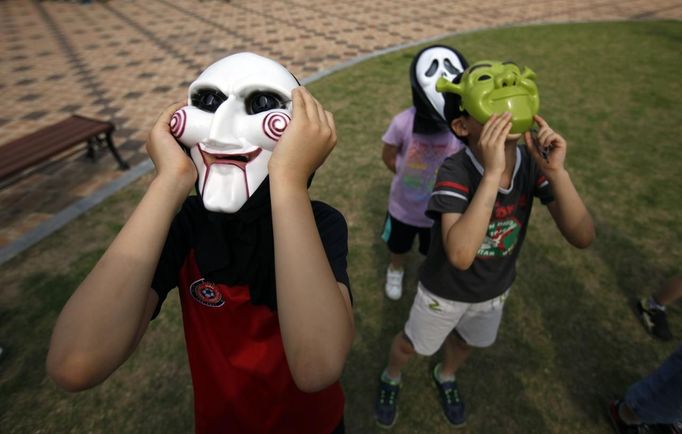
(432, 318)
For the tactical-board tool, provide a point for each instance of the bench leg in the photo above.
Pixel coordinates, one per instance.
(92, 148)
(110, 144)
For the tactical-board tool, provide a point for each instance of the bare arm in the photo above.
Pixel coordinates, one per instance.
(389, 155)
(314, 310)
(464, 233)
(103, 321)
(568, 210)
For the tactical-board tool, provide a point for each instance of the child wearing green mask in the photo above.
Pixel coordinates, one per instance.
(481, 205)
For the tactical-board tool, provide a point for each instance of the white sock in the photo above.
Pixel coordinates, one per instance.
(441, 378)
(389, 379)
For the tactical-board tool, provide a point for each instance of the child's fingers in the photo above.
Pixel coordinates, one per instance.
(332, 124)
(553, 139)
(505, 131)
(164, 118)
(310, 105)
(541, 121)
(530, 145)
(487, 128)
(298, 107)
(547, 137)
(501, 128)
(321, 112)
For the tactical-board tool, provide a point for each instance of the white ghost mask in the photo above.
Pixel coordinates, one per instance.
(238, 109)
(432, 64)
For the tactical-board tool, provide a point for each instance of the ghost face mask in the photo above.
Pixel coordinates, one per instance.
(238, 109)
(489, 87)
(428, 66)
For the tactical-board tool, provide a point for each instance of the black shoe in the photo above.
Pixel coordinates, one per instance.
(450, 401)
(654, 320)
(386, 405)
(620, 426)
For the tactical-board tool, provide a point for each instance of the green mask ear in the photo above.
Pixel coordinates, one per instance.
(528, 73)
(443, 85)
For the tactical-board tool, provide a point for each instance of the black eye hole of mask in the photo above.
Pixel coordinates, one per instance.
(450, 67)
(432, 68)
(259, 102)
(484, 77)
(208, 99)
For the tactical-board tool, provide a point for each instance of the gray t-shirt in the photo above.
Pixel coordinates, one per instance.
(494, 267)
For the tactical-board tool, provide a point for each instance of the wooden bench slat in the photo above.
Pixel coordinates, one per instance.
(35, 151)
(80, 132)
(52, 140)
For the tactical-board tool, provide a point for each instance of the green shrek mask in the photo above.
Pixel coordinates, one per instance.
(489, 87)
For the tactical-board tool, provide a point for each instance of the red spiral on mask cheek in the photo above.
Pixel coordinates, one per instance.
(178, 123)
(274, 125)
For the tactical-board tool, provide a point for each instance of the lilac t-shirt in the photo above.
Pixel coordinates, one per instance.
(418, 160)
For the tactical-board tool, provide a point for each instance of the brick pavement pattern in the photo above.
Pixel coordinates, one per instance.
(125, 60)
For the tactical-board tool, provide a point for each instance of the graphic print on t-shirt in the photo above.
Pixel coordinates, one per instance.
(418, 173)
(501, 238)
(206, 293)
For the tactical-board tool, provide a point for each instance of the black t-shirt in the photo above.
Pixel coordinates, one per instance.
(183, 237)
(494, 267)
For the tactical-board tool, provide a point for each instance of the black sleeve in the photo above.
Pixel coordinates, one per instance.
(542, 188)
(173, 254)
(334, 234)
(452, 191)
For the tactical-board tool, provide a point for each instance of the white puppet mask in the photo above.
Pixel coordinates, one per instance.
(238, 109)
(433, 63)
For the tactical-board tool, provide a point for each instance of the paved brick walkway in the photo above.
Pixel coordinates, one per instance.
(125, 60)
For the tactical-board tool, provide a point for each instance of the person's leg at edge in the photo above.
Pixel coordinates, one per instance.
(657, 398)
(398, 237)
(401, 353)
(386, 404)
(455, 353)
(397, 260)
(670, 292)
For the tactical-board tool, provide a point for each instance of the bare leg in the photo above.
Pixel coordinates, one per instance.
(397, 261)
(401, 353)
(456, 352)
(671, 291)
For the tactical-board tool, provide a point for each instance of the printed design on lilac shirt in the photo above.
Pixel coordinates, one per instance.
(206, 293)
(418, 174)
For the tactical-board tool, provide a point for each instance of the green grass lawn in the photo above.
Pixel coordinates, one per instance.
(569, 340)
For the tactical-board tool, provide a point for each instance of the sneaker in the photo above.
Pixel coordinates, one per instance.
(386, 406)
(654, 320)
(394, 283)
(676, 428)
(619, 424)
(450, 401)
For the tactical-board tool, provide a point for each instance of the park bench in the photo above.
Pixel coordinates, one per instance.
(53, 140)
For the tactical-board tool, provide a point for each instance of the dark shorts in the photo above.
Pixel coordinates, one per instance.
(399, 236)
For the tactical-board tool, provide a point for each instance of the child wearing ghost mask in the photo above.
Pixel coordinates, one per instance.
(415, 144)
(261, 270)
(481, 205)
